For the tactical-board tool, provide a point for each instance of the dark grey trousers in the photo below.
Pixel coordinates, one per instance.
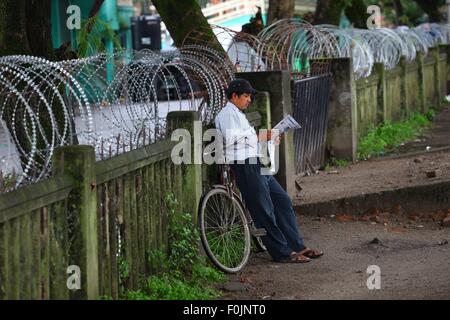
(270, 208)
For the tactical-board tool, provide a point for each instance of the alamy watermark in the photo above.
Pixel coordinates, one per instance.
(374, 21)
(74, 280)
(374, 280)
(233, 147)
(74, 19)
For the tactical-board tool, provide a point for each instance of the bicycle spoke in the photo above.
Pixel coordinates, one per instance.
(224, 230)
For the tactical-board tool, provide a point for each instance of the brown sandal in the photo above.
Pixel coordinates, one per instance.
(311, 253)
(296, 258)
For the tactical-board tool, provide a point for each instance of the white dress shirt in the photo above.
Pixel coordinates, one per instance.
(240, 139)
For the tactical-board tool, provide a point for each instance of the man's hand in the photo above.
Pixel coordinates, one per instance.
(277, 140)
(267, 135)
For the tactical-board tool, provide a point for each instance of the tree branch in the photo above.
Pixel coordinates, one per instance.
(431, 8)
(92, 13)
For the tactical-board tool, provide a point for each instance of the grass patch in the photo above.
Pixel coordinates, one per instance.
(387, 136)
(175, 285)
(184, 274)
(333, 162)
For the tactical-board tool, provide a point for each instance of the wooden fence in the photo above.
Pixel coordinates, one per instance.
(105, 217)
(389, 95)
(384, 96)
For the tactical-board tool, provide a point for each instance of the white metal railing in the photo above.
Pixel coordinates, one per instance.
(232, 9)
(128, 3)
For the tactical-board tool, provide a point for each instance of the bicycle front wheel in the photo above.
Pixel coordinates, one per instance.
(224, 230)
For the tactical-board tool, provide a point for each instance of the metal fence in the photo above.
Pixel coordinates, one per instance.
(311, 100)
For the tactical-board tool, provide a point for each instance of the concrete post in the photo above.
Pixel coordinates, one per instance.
(192, 173)
(382, 113)
(78, 162)
(422, 97)
(342, 121)
(261, 104)
(442, 73)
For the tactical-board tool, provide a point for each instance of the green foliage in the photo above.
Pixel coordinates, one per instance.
(158, 260)
(170, 286)
(333, 162)
(203, 273)
(124, 271)
(413, 14)
(431, 113)
(388, 136)
(182, 273)
(183, 237)
(8, 181)
(93, 41)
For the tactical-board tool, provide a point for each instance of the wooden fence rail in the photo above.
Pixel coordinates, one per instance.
(105, 217)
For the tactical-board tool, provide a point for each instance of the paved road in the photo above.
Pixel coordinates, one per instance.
(412, 258)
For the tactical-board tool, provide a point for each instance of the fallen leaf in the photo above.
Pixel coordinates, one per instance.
(398, 209)
(375, 212)
(344, 218)
(438, 216)
(244, 279)
(446, 222)
(397, 229)
(365, 218)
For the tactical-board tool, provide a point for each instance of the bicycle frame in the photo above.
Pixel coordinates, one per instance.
(228, 184)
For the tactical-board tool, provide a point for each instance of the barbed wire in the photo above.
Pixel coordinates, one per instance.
(114, 102)
(297, 42)
(119, 101)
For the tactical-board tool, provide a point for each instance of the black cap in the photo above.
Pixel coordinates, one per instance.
(240, 86)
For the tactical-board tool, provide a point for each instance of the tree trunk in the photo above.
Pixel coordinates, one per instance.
(356, 12)
(280, 10)
(398, 9)
(25, 28)
(39, 29)
(431, 7)
(329, 12)
(92, 13)
(13, 33)
(183, 17)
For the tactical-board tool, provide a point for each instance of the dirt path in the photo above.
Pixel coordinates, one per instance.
(412, 252)
(374, 176)
(413, 257)
(388, 173)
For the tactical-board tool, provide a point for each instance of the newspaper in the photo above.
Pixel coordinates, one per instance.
(287, 123)
(283, 126)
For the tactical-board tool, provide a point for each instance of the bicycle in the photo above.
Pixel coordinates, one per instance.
(226, 227)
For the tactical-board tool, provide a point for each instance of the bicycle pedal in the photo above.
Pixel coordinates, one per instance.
(259, 232)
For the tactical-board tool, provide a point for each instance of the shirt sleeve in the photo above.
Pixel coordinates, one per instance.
(230, 127)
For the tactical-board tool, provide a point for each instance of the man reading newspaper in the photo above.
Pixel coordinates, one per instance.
(269, 205)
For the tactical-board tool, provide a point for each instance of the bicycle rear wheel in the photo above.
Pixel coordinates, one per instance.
(224, 230)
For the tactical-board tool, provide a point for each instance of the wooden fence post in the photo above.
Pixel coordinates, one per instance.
(78, 162)
(191, 184)
(342, 126)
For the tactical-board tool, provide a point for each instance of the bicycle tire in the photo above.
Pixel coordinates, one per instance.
(224, 230)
